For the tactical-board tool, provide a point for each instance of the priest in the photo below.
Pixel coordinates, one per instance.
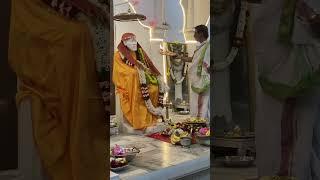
(287, 52)
(199, 74)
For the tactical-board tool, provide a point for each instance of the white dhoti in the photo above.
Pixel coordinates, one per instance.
(199, 104)
(199, 79)
(287, 136)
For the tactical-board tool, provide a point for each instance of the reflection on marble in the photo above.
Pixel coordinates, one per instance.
(156, 156)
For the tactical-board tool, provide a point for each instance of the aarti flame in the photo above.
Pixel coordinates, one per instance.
(161, 47)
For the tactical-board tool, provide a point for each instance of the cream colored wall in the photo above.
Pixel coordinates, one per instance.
(197, 12)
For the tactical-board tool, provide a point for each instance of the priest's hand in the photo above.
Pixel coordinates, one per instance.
(167, 53)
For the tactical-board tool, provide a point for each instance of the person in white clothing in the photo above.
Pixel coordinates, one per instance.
(286, 42)
(199, 74)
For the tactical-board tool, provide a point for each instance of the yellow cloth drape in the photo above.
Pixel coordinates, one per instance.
(54, 61)
(126, 80)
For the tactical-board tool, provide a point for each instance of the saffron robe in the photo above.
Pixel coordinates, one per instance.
(54, 60)
(126, 80)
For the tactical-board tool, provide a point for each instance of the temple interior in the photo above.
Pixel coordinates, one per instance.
(169, 25)
(160, 123)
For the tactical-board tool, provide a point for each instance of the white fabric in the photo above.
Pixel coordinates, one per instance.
(196, 59)
(204, 112)
(178, 87)
(178, 74)
(268, 53)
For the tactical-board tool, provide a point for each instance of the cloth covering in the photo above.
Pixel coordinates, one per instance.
(126, 80)
(54, 61)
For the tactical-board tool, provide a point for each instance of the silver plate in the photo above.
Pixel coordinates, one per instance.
(119, 168)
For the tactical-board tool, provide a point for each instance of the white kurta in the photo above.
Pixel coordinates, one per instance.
(196, 108)
(279, 61)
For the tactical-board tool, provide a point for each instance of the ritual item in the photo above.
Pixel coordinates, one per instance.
(186, 141)
(131, 153)
(196, 120)
(129, 16)
(124, 152)
(118, 164)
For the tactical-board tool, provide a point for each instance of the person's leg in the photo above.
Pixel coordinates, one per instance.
(307, 115)
(315, 159)
(193, 103)
(267, 133)
(204, 105)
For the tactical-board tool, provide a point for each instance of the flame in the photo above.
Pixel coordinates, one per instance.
(161, 47)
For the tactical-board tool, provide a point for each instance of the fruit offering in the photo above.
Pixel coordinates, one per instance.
(167, 132)
(177, 135)
(197, 120)
(118, 162)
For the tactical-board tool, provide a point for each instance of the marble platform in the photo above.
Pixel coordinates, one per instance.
(160, 160)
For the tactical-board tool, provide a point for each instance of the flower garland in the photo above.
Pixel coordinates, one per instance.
(183, 75)
(238, 40)
(173, 77)
(157, 111)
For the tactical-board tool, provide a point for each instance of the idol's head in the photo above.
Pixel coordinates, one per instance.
(130, 41)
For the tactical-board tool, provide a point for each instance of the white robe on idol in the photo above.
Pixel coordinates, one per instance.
(195, 110)
(279, 62)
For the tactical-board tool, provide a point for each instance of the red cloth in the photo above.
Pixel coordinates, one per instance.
(166, 139)
(127, 36)
(160, 137)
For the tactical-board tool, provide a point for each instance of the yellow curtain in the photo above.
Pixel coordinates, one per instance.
(54, 61)
(126, 80)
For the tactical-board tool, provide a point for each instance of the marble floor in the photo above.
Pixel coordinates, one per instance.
(158, 159)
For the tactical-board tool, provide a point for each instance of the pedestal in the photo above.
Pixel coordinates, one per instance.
(241, 144)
